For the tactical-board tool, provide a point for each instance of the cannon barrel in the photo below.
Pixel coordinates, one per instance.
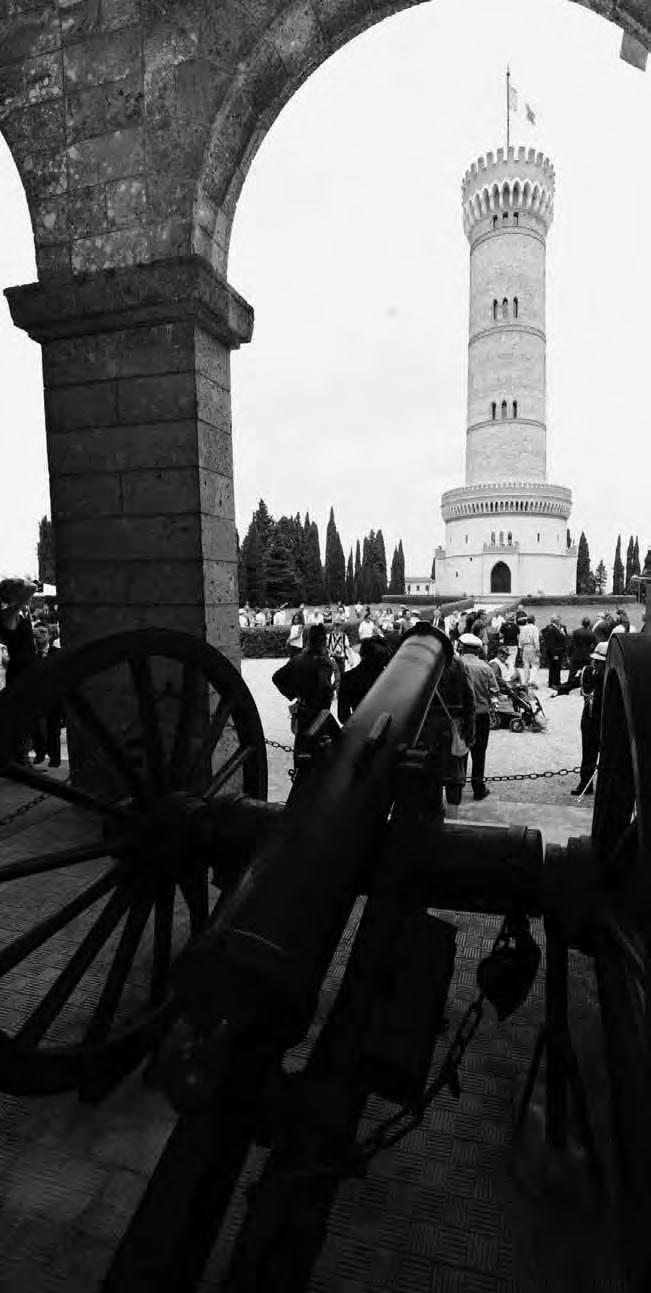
(262, 962)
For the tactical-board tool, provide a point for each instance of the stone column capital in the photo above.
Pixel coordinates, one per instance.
(185, 288)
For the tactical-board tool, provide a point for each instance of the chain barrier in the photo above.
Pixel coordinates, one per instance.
(20, 812)
(507, 776)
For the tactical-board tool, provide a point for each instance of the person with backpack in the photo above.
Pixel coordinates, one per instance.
(306, 680)
(338, 647)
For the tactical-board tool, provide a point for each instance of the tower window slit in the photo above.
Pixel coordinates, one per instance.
(515, 307)
(503, 408)
(515, 408)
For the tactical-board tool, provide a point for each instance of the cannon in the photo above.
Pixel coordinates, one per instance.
(192, 925)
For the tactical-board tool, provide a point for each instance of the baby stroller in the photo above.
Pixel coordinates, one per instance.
(517, 709)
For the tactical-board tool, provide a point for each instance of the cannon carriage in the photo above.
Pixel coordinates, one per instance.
(191, 925)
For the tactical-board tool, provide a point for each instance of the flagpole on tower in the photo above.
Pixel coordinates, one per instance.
(508, 108)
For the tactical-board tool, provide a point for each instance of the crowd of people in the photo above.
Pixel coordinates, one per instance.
(27, 637)
(492, 655)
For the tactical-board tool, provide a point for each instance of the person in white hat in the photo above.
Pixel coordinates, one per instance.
(592, 680)
(485, 689)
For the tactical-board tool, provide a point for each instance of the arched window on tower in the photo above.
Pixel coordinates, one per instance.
(505, 215)
(509, 538)
(493, 410)
(515, 307)
(505, 308)
(516, 217)
(515, 408)
(503, 408)
(495, 222)
(495, 308)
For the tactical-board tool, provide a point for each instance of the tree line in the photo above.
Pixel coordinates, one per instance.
(589, 581)
(279, 562)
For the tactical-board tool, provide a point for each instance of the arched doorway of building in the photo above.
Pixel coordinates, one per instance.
(500, 578)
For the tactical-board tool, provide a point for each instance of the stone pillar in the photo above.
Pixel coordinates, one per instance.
(136, 366)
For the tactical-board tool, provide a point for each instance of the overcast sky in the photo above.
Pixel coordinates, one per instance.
(349, 244)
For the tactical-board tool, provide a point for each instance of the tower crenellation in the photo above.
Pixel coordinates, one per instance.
(521, 181)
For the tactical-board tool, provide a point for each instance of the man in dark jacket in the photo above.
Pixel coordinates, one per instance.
(592, 682)
(553, 638)
(453, 704)
(374, 655)
(582, 643)
(306, 679)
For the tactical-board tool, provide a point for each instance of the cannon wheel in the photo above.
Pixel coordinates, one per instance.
(621, 931)
(89, 929)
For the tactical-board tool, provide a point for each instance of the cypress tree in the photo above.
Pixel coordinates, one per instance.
(400, 580)
(393, 578)
(618, 569)
(381, 565)
(241, 573)
(350, 579)
(282, 581)
(584, 576)
(335, 563)
(635, 563)
(45, 552)
(357, 577)
(629, 565)
(290, 531)
(265, 525)
(313, 568)
(365, 590)
(253, 561)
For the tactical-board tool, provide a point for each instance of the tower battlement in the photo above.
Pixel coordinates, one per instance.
(510, 180)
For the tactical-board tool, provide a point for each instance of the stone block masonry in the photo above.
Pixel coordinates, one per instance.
(137, 397)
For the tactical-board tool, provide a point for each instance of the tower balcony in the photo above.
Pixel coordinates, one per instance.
(506, 499)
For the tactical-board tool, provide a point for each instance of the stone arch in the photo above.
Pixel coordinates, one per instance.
(501, 578)
(182, 95)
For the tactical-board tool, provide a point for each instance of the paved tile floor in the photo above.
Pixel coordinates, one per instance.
(449, 1209)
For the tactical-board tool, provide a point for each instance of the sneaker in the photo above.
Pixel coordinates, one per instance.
(481, 793)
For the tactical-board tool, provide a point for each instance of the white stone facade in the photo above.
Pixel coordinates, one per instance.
(506, 528)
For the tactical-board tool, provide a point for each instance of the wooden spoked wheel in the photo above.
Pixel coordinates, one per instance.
(621, 931)
(157, 723)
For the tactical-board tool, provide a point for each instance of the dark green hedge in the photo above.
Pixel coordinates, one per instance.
(271, 644)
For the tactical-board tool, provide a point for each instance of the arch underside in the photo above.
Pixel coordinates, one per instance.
(185, 94)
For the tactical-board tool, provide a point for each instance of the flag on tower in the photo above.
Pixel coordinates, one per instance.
(531, 116)
(513, 98)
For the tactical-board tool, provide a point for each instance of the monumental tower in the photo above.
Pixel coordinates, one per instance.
(506, 528)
